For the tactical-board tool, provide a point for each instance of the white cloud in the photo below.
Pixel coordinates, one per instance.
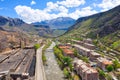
(33, 2)
(71, 3)
(83, 12)
(51, 7)
(108, 4)
(30, 15)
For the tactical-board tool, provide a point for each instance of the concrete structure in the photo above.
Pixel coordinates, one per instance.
(88, 40)
(89, 46)
(86, 48)
(85, 71)
(93, 56)
(39, 71)
(82, 50)
(68, 52)
(17, 64)
(87, 43)
(103, 63)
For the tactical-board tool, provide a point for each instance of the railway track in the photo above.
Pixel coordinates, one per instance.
(18, 61)
(3, 57)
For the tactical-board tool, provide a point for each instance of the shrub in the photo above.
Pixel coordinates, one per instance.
(66, 73)
(36, 46)
(110, 68)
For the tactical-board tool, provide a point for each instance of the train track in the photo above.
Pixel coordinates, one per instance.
(18, 61)
(3, 57)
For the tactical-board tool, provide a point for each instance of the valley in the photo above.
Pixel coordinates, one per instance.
(61, 48)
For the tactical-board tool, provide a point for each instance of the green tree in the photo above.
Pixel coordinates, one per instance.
(66, 73)
(110, 68)
(75, 52)
(36, 46)
(101, 73)
(85, 59)
(116, 64)
(108, 77)
(67, 61)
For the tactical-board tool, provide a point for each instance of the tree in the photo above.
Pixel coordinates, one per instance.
(116, 64)
(36, 46)
(75, 52)
(85, 59)
(108, 77)
(110, 68)
(66, 73)
(76, 77)
(67, 61)
(101, 73)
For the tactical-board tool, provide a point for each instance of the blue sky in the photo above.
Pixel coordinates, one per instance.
(40, 10)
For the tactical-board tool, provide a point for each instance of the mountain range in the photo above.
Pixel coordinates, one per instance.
(47, 28)
(58, 23)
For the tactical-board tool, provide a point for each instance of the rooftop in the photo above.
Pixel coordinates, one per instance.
(68, 51)
(85, 67)
(95, 54)
(64, 47)
(104, 61)
(83, 48)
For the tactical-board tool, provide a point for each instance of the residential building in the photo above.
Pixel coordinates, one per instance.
(85, 71)
(68, 52)
(93, 56)
(103, 63)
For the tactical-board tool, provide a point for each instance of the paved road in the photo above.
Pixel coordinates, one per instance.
(39, 72)
(53, 72)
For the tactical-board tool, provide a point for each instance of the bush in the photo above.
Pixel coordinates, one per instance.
(110, 68)
(101, 73)
(66, 73)
(36, 46)
(116, 64)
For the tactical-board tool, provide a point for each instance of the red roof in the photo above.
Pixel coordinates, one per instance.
(68, 51)
(64, 47)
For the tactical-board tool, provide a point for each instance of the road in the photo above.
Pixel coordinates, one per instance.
(39, 72)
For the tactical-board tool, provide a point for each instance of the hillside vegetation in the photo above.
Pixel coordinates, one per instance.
(103, 26)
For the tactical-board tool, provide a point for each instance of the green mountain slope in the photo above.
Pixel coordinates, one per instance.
(105, 26)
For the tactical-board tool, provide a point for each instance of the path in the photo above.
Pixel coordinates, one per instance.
(39, 72)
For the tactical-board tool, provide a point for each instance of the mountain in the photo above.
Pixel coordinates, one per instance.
(17, 25)
(58, 23)
(104, 25)
(10, 21)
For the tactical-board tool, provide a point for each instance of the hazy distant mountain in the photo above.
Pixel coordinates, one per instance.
(17, 25)
(58, 23)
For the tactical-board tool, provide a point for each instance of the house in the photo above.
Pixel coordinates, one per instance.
(103, 63)
(93, 56)
(64, 46)
(85, 71)
(88, 40)
(82, 50)
(68, 52)
(78, 42)
(89, 46)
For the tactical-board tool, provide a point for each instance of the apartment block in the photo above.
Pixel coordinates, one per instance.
(103, 63)
(85, 71)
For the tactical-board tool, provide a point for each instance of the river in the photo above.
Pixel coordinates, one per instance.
(52, 70)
